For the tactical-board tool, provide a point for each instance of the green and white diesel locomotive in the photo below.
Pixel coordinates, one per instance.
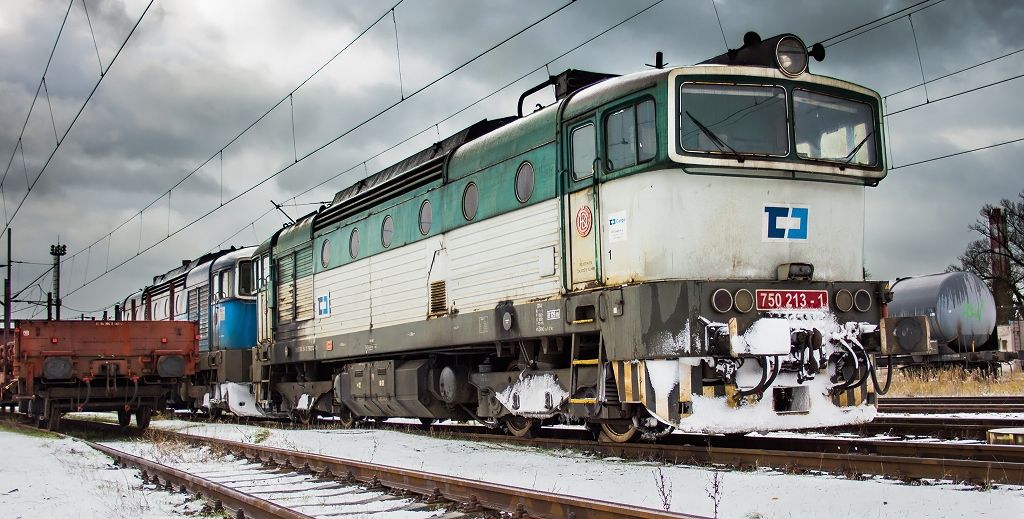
(671, 249)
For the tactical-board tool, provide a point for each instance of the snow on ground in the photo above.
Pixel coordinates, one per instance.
(761, 494)
(58, 478)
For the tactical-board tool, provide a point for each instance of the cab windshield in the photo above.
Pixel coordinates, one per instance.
(834, 129)
(733, 119)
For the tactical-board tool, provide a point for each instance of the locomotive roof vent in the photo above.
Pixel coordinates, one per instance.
(566, 83)
(785, 52)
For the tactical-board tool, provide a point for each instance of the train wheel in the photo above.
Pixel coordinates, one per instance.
(53, 423)
(427, 422)
(124, 417)
(521, 426)
(142, 416)
(618, 433)
(346, 419)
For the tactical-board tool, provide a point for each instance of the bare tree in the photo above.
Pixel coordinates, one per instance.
(1007, 249)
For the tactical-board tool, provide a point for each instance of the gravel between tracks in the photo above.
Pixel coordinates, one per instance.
(759, 494)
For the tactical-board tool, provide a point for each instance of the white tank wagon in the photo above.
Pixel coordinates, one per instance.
(676, 248)
(960, 308)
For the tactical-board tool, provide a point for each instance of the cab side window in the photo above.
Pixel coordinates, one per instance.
(630, 136)
(584, 151)
(245, 278)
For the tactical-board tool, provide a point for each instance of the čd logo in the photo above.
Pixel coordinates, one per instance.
(784, 222)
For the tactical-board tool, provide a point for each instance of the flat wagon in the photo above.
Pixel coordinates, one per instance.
(53, 367)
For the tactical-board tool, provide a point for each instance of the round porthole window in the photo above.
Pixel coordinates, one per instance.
(470, 201)
(426, 217)
(325, 254)
(524, 182)
(353, 243)
(387, 231)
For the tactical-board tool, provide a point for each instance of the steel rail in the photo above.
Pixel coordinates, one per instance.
(961, 428)
(938, 408)
(959, 400)
(905, 464)
(899, 460)
(474, 495)
(223, 498)
(240, 504)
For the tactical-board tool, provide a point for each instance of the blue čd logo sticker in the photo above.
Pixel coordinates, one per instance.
(785, 222)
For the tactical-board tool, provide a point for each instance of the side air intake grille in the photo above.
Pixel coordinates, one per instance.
(438, 303)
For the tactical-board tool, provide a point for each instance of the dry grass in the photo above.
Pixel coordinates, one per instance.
(954, 381)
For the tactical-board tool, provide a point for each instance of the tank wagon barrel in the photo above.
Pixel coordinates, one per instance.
(960, 308)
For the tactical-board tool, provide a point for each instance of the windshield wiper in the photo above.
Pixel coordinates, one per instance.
(849, 157)
(715, 139)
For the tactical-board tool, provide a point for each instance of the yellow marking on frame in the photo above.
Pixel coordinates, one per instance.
(627, 382)
(730, 394)
(585, 362)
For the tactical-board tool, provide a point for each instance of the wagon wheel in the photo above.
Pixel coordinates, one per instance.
(142, 416)
(521, 426)
(310, 415)
(53, 423)
(124, 417)
(618, 432)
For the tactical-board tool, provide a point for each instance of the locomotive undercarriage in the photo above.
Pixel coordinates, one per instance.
(633, 360)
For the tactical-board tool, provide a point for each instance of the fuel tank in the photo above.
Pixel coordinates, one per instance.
(959, 305)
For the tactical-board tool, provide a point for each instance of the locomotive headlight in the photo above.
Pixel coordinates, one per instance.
(862, 300)
(721, 300)
(844, 300)
(791, 56)
(743, 300)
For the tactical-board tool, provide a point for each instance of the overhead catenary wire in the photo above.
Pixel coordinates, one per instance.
(74, 120)
(32, 105)
(957, 154)
(434, 126)
(957, 94)
(955, 72)
(252, 224)
(220, 150)
(330, 141)
(870, 25)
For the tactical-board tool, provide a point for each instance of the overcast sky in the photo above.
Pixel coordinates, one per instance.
(196, 73)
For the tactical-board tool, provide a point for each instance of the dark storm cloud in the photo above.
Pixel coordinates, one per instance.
(196, 73)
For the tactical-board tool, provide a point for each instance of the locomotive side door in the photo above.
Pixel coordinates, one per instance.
(579, 148)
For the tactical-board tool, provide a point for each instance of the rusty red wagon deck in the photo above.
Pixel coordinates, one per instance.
(53, 367)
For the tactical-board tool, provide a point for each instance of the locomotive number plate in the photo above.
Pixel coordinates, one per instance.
(792, 300)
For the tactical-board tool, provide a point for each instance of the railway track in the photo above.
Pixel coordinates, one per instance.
(936, 427)
(238, 492)
(979, 464)
(934, 405)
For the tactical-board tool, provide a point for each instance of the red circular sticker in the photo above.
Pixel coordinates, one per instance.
(584, 221)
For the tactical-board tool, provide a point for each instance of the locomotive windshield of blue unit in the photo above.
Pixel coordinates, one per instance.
(739, 120)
